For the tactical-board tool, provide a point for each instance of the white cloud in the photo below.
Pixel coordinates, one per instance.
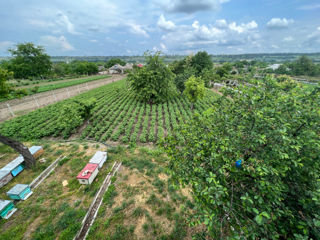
(313, 39)
(63, 21)
(93, 40)
(191, 6)
(274, 46)
(278, 23)
(221, 33)
(59, 43)
(288, 39)
(310, 7)
(4, 45)
(137, 29)
(165, 25)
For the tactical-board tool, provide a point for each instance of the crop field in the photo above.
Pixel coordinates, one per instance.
(116, 116)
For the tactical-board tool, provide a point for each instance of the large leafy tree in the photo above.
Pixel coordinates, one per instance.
(152, 83)
(201, 61)
(4, 86)
(114, 61)
(29, 61)
(194, 89)
(253, 162)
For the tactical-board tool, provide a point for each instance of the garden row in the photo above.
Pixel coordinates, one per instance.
(117, 116)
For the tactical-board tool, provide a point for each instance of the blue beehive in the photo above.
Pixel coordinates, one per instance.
(19, 192)
(6, 208)
(15, 166)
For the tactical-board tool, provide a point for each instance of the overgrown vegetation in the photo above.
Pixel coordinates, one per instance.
(253, 162)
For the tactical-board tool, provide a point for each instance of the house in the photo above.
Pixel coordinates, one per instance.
(88, 173)
(15, 167)
(36, 151)
(19, 192)
(5, 177)
(274, 66)
(116, 69)
(99, 158)
(6, 208)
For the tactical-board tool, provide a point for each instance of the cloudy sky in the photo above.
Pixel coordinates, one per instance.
(123, 27)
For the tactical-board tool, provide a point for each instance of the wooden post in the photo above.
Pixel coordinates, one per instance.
(10, 110)
(20, 148)
(68, 92)
(34, 98)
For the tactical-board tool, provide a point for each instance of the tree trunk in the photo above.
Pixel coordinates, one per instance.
(192, 106)
(20, 148)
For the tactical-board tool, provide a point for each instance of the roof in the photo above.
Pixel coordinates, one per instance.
(4, 203)
(87, 171)
(35, 149)
(3, 173)
(13, 164)
(17, 189)
(98, 157)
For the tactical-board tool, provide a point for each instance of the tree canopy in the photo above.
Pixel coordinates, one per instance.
(201, 61)
(29, 61)
(253, 162)
(4, 86)
(114, 61)
(194, 89)
(152, 83)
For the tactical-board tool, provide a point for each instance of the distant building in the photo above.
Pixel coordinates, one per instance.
(274, 66)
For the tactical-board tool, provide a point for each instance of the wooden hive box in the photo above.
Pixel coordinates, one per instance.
(15, 166)
(6, 208)
(99, 158)
(36, 151)
(88, 173)
(19, 192)
(5, 177)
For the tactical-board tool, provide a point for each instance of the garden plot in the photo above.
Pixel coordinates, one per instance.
(54, 210)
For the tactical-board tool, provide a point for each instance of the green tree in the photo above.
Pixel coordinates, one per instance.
(253, 162)
(114, 61)
(4, 86)
(194, 89)
(152, 83)
(201, 61)
(29, 61)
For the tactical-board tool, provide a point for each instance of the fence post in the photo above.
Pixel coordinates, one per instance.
(10, 110)
(34, 98)
(78, 89)
(55, 97)
(87, 86)
(68, 92)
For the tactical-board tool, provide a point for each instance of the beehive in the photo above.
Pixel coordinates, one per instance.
(6, 208)
(36, 151)
(19, 192)
(88, 173)
(15, 166)
(5, 177)
(99, 158)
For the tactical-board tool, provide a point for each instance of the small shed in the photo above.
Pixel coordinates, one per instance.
(19, 192)
(99, 158)
(5, 177)
(15, 166)
(88, 173)
(6, 208)
(36, 151)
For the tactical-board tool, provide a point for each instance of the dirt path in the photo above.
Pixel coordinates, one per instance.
(17, 107)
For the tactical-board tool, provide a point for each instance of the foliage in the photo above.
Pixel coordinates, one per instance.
(29, 61)
(209, 77)
(181, 78)
(195, 89)
(201, 61)
(117, 115)
(273, 127)
(223, 70)
(114, 61)
(4, 87)
(152, 83)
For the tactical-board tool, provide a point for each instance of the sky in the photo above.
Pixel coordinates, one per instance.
(123, 27)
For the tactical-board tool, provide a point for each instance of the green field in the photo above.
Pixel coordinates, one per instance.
(117, 116)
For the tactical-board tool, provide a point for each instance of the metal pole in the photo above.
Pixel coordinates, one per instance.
(10, 110)
(36, 101)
